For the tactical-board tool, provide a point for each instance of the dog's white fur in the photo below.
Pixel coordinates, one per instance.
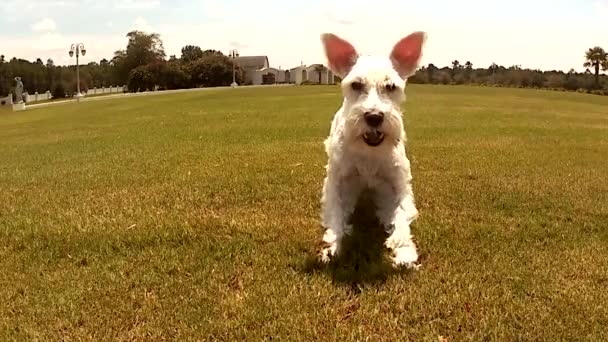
(353, 165)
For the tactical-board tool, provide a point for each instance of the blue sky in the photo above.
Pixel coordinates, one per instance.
(538, 34)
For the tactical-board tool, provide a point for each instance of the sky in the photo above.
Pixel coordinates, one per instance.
(538, 34)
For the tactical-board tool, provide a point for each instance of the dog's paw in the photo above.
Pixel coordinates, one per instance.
(406, 257)
(327, 254)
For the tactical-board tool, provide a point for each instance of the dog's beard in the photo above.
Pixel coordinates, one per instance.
(389, 132)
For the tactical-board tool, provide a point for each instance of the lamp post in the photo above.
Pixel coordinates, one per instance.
(77, 49)
(233, 54)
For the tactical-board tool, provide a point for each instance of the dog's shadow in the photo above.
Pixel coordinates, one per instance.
(364, 260)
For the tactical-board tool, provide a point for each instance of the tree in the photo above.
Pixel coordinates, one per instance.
(174, 77)
(140, 79)
(211, 52)
(455, 68)
(571, 82)
(212, 70)
(50, 73)
(191, 53)
(4, 76)
(59, 91)
(142, 49)
(468, 65)
(596, 58)
(432, 70)
(493, 69)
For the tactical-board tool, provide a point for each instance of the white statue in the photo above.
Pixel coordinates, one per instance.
(18, 90)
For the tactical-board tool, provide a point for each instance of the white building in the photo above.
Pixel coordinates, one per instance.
(257, 71)
(315, 73)
(251, 65)
(269, 76)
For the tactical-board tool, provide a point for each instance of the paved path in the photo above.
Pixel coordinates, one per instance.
(147, 93)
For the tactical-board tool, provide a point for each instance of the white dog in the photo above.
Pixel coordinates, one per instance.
(366, 148)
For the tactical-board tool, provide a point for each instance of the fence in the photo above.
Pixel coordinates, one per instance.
(109, 90)
(33, 98)
(37, 97)
(27, 98)
(6, 101)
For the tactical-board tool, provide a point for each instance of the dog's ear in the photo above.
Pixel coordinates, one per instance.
(407, 53)
(341, 55)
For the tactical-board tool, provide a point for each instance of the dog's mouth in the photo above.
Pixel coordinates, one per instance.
(373, 137)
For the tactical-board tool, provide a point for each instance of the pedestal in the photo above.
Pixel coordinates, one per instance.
(17, 107)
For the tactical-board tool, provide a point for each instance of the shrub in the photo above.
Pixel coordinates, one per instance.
(59, 91)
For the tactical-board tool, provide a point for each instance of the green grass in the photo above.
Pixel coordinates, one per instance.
(60, 99)
(194, 216)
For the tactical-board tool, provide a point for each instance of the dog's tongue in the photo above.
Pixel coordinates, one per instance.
(373, 135)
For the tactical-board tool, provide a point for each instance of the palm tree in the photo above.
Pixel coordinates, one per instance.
(468, 65)
(596, 58)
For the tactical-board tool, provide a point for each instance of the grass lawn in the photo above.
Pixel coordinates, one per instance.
(195, 216)
(72, 98)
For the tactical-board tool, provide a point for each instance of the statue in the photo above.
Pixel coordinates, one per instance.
(18, 90)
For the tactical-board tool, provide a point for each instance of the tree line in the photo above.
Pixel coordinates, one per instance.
(143, 65)
(590, 81)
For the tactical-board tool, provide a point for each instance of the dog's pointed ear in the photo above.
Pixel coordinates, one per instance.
(407, 53)
(341, 55)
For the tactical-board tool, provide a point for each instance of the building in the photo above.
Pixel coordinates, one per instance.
(251, 65)
(257, 71)
(315, 73)
(269, 76)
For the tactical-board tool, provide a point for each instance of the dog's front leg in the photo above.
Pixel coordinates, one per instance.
(338, 202)
(396, 212)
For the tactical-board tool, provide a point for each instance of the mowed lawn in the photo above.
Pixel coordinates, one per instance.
(195, 216)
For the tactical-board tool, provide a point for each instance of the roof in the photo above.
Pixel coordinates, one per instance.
(271, 68)
(252, 62)
(309, 68)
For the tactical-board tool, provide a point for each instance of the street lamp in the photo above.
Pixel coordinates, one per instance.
(233, 54)
(77, 49)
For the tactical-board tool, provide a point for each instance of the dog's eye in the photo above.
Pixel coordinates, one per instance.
(357, 86)
(390, 87)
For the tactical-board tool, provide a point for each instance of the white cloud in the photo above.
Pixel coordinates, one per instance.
(602, 7)
(142, 25)
(484, 40)
(338, 19)
(45, 25)
(137, 4)
(214, 9)
(56, 46)
(238, 45)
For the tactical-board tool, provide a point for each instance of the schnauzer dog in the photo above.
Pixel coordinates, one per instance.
(365, 147)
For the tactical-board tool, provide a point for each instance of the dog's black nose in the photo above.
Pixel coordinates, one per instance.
(374, 119)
